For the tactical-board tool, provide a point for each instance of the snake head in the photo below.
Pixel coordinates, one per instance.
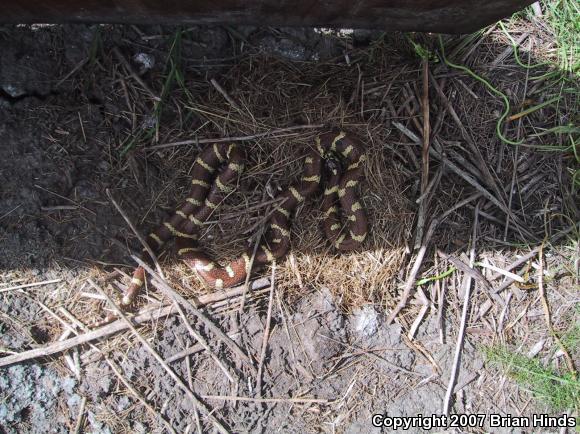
(272, 189)
(332, 164)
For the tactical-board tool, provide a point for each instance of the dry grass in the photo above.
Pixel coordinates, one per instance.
(374, 93)
(274, 93)
(526, 192)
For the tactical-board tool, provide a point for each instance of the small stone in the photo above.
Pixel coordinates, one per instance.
(144, 61)
(366, 321)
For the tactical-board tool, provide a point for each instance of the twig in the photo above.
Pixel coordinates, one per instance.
(266, 331)
(188, 352)
(135, 231)
(80, 417)
(172, 294)
(421, 254)
(228, 98)
(512, 190)
(526, 258)
(249, 270)
(467, 269)
(288, 400)
(471, 180)
(133, 74)
(30, 285)
(167, 290)
(510, 49)
(7, 213)
(78, 205)
(261, 223)
(237, 138)
(72, 72)
(467, 89)
(479, 40)
(423, 352)
(501, 271)
(441, 290)
(548, 315)
(407, 132)
(113, 366)
(237, 291)
(194, 399)
(190, 383)
(119, 326)
(287, 329)
(432, 184)
(504, 312)
(419, 319)
(117, 371)
(537, 8)
(424, 155)
(237, 318)
(463, 324)
(58, 208)
(488, 177)
(467, 177)
(203, 342)
(371, 352)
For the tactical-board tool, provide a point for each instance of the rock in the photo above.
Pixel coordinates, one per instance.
(144, 61)
(366, 321)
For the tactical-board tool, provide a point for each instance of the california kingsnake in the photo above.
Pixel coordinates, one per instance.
(215, 173)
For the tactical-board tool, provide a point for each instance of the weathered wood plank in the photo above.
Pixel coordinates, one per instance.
(449, 16)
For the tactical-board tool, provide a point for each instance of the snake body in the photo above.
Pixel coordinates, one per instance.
(214, 175)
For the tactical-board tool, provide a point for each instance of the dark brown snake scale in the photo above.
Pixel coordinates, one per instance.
(215, 173)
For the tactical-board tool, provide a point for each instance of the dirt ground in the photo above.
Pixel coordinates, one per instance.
(90, 113)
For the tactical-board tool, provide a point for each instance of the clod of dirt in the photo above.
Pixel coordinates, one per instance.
(366, 321)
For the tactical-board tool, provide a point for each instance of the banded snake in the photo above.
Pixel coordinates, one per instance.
(214, 175)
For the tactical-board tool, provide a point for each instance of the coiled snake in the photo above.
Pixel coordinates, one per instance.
(214, 174)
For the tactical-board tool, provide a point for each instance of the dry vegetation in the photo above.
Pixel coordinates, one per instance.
(455, 214)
